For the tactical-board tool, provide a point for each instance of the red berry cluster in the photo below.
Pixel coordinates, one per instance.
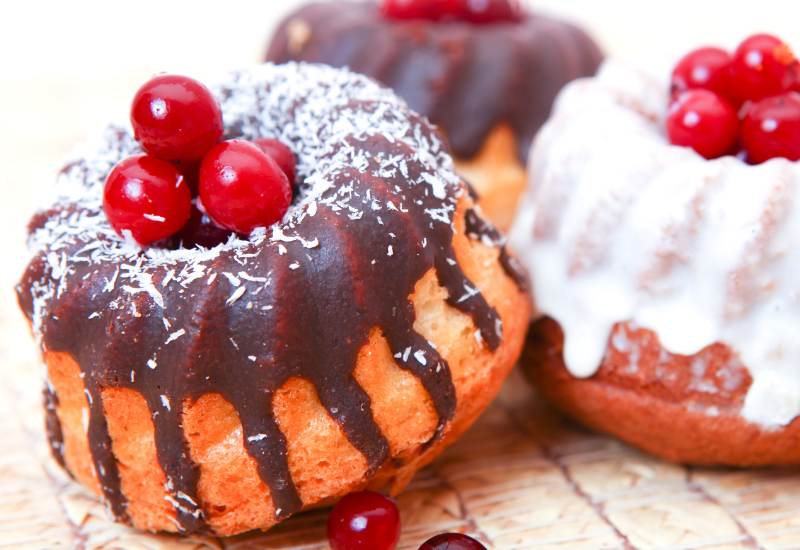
(178, 122)
(745, 104)
(474, 11)
(370, 521)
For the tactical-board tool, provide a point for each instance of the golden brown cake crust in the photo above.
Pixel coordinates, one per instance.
(496, 174)
(683, 409)
(324, 465)
(337, 349)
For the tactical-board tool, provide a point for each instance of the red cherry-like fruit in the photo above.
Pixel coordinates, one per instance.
(423, 9)
(708, 69)
(281, 154)
(451, 541)
(404, 9)
(190, 170)
(763, 65)
(702, 120)
(242, 188)
(364, 521)
(772, 128)
(146, 196)
(737, 150)
(196, 233)
(176, 118)
(445, 9)
(492, 11)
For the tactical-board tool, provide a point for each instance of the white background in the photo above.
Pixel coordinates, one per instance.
(69, 67)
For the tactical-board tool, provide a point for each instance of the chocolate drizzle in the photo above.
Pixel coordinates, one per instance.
(374, 216)
(52, 426)
(466, 78)
(482, 230)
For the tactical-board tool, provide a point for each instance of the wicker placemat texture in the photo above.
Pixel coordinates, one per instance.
(522, 477)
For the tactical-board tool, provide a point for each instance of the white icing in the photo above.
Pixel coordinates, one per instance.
(619, 225)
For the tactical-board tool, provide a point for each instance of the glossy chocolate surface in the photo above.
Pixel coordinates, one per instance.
(464, 77)
(242, 319)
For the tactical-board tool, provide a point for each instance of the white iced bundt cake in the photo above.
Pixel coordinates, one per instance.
(668, 284)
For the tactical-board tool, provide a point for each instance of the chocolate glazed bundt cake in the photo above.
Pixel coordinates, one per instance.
(223, 389)
(489, 86)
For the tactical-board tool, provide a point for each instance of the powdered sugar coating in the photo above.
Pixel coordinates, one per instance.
(313, 109)
(619, 225)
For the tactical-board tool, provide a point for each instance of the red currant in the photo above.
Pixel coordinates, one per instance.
(443, 9)
(176, 117)
(364, 521)
(738, 151)
(146, 196)
(702, 120)
(242, 188)
(195, 232)
(281, 154)
(492, 11)
(763, 65)
(708, 69)
(404, 9)
(451, 541)
(190, 170)
(475, 11)
(422, 9)
(772, 128)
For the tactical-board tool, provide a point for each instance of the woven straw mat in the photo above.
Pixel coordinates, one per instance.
(522, 477)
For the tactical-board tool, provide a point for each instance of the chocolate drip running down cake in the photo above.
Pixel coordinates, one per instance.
(223, 389)
(489, 87)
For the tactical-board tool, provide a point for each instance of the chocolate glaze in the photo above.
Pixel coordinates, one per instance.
(482, 230)
(52, 426)
(465, 78)
(307, 312)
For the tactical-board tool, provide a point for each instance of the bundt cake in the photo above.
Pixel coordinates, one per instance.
(488, 86)
(667, 283)
(217, 390)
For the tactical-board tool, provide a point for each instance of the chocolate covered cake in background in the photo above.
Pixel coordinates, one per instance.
(485, 72)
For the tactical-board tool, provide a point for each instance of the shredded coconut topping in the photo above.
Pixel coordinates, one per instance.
(321, 113)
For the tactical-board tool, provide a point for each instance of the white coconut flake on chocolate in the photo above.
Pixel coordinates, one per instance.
(311, 109)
